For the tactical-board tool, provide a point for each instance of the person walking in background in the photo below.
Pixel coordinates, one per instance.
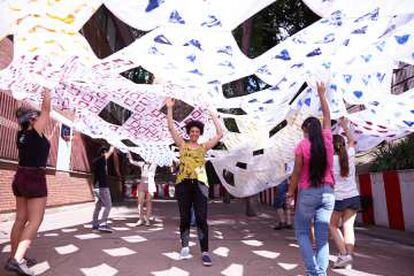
(347, 200)
(145, 190)
(313, 173)
(29, 183)
(191, 188)
(102, 191)
(283, 211)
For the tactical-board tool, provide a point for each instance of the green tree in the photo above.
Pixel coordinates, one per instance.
(395, 156)
(263, 31)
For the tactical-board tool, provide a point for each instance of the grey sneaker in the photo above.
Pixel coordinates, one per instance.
(8, 266)
(105, 229)
(185, 253)
(20, 268)
(343, 261)
(147, 222)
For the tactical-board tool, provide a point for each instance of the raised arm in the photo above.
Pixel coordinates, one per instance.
(219, 132)
(117, 164)
(324, 105)
(133, 162)
(55, 127)
(152, 168)
(43, 119)
(174, 133)
(109, 152)
(345, 126)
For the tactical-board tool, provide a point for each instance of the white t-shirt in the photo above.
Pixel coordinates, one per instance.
(151, 178)
(345, 187)
(147, 174)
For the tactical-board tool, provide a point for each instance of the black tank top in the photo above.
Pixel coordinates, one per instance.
(33, 148)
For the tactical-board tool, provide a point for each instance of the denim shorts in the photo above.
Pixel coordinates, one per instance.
(280, 199)
(353, 203)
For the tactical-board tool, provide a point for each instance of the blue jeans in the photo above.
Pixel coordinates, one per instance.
(280, 199)
(104, 201)
(314, 204)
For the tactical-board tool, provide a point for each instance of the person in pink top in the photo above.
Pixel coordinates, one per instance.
(314, 175)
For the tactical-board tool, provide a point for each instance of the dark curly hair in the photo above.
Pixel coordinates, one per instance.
(194, 123)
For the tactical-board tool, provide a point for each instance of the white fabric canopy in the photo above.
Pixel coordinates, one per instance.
(354, 47)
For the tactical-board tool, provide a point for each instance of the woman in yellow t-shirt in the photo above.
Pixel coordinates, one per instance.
(192, 186)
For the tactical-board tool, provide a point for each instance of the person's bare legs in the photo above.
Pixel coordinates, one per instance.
(35, 212)
(19, 224)
(288, 216)
(348, 219)
(281, 216)
(141, 200)
(336, 232)
(149, 205)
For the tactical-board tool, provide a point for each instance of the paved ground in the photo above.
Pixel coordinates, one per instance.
(239, 246)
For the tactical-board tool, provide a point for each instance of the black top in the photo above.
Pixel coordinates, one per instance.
(100, 169)
(33, 148)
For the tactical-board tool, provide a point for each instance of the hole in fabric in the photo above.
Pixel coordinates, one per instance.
(241, 165)
(181, 110)
(231, 125)
(115, 114)
(233, 111)
(244, 86)
(277, 128)
(229, 177)
(258, 152)
(128, 143)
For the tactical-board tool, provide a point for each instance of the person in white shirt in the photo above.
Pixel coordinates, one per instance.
(146, 190)
(347, 200)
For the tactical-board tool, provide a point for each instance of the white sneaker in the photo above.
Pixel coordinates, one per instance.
(139, 222)
(147, 223)
(185, 253)
(343, 261)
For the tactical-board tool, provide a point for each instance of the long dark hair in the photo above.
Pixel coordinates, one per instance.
(318, 160)
(340, 150)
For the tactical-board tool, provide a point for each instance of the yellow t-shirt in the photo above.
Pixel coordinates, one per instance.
(192, 164)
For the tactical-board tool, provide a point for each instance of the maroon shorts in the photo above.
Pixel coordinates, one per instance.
(30, 182)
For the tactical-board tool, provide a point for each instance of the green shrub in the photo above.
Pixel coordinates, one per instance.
(395, 156)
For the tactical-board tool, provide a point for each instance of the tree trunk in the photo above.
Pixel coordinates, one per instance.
(251, 201)
(251, 204)
(246, 37)
(226, 197)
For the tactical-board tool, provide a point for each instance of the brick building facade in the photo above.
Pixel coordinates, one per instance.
(65, 187)
(68, 186)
